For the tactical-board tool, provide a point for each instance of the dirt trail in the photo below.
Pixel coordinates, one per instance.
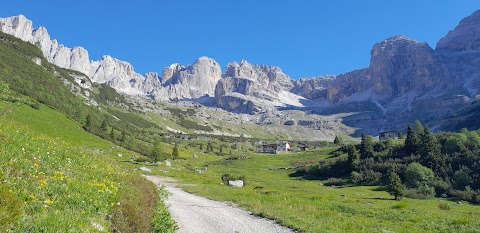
(198, 214)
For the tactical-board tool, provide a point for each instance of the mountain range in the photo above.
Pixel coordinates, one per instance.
(405, 81)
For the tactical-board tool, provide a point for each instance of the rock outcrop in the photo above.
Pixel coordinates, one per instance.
(254, 88)
(465, 36)
(189, 82)
(400, 65)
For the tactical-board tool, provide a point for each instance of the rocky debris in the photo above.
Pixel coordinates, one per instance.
(444, 195)
(168, 163)
(120, 155)
(144, 169)
(235, 183)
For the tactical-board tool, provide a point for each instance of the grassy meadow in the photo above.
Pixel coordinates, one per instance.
(55, 177)
(310, 206)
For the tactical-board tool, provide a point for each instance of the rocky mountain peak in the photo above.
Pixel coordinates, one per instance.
(191, 81)
(399, 65)
(466, 36)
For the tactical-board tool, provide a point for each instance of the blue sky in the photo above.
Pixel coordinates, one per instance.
(305, 38)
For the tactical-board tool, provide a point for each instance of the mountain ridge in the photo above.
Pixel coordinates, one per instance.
(404, 76)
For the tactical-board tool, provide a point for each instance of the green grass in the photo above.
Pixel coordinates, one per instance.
(311, 206)
(58, 178)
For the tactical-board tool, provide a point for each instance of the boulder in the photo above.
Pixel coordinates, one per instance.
(235, 183)
(145, 169)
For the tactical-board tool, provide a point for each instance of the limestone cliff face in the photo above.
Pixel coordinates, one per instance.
(459, 51)
(190, 82)
(465, 37)
(400, 65)
(255, 88)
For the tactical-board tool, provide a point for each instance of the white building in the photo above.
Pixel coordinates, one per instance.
(275, 148)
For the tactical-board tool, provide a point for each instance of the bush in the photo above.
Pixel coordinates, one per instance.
(444, 206)
(421, 192)
(417, 175)
(138, 204)
(468, 194)
(162, 220)
(336, 181)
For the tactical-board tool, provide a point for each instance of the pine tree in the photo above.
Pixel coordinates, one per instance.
(430, 153)
(353, 156)
(112, 134)
(209, 147)
(103, 126)
(418, 129)
(338, 140)
(411, 142)
(366, 146)
(88, 123)
(175, 154)
(396, 188)
(123, 136)
(156, 154)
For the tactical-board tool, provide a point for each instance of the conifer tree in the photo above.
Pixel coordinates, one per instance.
(396, 188)
(353, 156)
(411, 142)
(366, 146)
(338, 140)
(175, 154)
(88, 123)
(430, 150)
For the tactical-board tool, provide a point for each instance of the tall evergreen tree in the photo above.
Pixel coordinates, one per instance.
(411, 142)
(88, 123)
(366, 146)
(418, 128)
(430, 150)
(353, 156)
(156, 154)
(396, 188)
(175, 154)
(123, 136)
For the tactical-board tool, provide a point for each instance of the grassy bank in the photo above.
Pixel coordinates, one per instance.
(58, 178)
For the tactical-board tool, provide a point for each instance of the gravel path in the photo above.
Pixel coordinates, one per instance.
(197, 214)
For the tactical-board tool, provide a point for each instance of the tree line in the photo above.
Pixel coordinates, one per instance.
(420, 166)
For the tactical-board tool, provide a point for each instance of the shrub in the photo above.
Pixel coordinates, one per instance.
(444, 206)
(336, 181)
(162, 220)
(417, 175)
(137, 206)
(421, 192)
